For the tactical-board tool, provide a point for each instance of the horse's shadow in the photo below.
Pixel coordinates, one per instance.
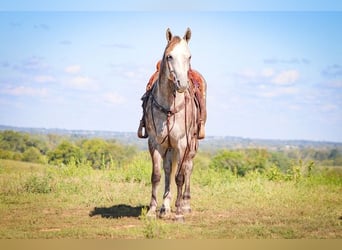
(117, 211)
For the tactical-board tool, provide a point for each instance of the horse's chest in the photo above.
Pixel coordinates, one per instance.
(172, 127)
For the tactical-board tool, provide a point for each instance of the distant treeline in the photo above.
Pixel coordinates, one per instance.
(103, 154)
(57, 150)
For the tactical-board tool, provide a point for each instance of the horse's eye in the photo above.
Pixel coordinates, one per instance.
(169, 57)
(189, 57)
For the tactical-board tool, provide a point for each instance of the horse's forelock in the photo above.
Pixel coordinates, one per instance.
(170, 46)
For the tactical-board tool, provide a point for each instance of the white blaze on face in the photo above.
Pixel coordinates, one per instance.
(181, 63)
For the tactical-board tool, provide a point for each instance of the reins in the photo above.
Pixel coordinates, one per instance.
(172, 111)
(169, 113)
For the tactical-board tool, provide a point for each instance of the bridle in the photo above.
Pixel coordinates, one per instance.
(172, 76)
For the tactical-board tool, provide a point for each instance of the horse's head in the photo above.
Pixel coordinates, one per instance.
(177, 58)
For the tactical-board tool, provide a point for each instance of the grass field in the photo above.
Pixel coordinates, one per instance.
(38, 201)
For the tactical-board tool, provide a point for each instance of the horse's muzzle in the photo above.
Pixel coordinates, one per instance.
(181, 87)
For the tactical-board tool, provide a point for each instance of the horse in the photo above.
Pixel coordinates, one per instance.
(171, 119)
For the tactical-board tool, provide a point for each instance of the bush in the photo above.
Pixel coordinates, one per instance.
(274, 173)
(39, 184)
(241, 162)
(33, 155)
(10, 155)
(138, 169)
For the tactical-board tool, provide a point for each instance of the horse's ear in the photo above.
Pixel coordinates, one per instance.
(168, 35)
(187, 35)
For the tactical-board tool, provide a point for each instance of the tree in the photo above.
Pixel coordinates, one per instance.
(106, 154)
(65, 153)
(13, 141)
(96, 152)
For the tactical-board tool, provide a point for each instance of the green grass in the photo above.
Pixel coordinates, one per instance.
(39, 201)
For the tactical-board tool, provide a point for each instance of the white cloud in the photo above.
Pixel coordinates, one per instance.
(25, 91)
(73, 69)
(132, 72)
(279, 92)
(287, 77)
(44, 79)
(82, 82)
(113, 98)
(328, 107)
(334, 83)
(267, 72)
(247, 74)
(32, 64)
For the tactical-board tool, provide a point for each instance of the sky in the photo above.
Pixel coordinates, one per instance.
(272, 73)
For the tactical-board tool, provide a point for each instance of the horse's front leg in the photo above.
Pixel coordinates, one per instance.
(155, 179)
(186, 208)
(180, 183)
(188, 166)
(167, 165)
(179, 178)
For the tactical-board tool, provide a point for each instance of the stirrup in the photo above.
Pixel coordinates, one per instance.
(201, 131)
(142, 133)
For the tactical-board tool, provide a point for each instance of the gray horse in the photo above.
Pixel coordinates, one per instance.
(171, 120)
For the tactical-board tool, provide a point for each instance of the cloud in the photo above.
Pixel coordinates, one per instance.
(287, 77)
(25, 91)
(5, 64)
(328, 107)
(267, 83)
(33, 63)
(82, 83)
(332, 71)
(276, 92)
(131, 72)
(268, 76)
(113, 98)
(294, 60)
(73, 69)
(334, 83)
(44, 79)
(268, 72)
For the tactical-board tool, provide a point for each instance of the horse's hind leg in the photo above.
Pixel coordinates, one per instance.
(155, 179)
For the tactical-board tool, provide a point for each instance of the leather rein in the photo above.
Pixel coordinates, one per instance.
(171, 112)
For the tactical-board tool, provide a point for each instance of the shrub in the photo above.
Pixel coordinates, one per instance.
(138, 169)
(274, 173)
(33, 154)
(39, 184)
(241, 162)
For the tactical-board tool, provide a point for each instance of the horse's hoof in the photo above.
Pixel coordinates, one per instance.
(186, 210)
(179, 218)
(151, 215)
(164, 213)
